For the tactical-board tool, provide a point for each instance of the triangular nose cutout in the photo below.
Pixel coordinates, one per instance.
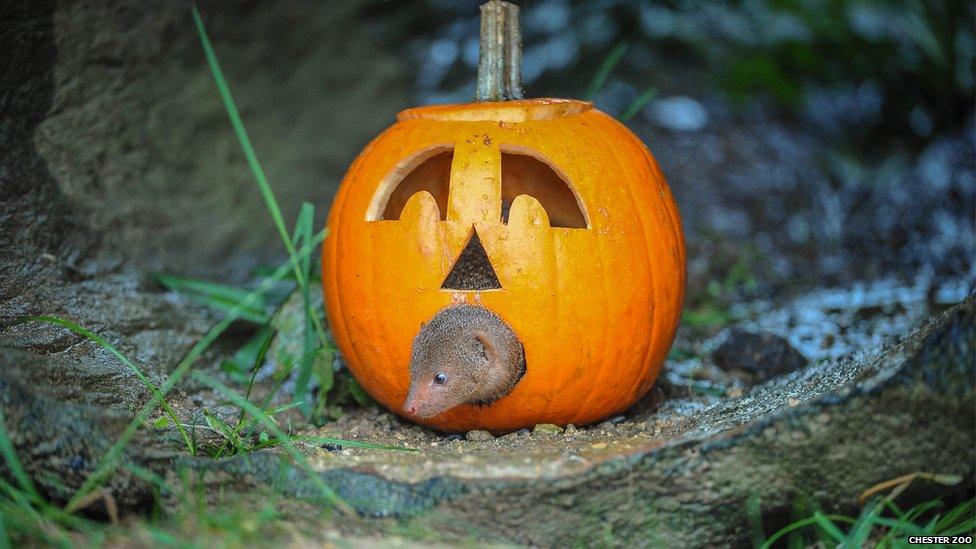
(472, 270)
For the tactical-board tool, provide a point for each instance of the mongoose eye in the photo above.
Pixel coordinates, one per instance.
(440, 378)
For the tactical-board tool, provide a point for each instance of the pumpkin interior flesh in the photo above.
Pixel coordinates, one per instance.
(526, 174)
(432, 175)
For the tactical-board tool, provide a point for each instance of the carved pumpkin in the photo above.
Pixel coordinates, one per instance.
(579, 227)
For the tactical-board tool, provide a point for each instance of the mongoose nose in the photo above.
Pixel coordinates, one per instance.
(410, 409)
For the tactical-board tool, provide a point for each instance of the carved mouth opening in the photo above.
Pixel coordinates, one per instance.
(472, 270)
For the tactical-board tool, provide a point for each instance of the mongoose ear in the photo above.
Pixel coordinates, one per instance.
(491, 351)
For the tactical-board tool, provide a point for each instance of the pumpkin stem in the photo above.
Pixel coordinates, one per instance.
(500, 59)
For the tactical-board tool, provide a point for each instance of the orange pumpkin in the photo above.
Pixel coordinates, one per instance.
(576, 220)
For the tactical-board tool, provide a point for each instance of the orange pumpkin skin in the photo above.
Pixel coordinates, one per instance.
(596, 308)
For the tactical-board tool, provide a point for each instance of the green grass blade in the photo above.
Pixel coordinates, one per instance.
(148, 476)
(13, 462)
(265, 271)
(898, 512)
(896, 527)
(103, 343)
(203, 287)
(17, 497)
(285, 440)
(303, 231)
(230, 435)
(249, 357)
(111, 459)
(912, 514)
(235, 119)
(5, 542)
(358, 393)
(252, 159)
(859, 533)
(828, 526)
(279, 381)
(217, 296)
(803, 523)
(603, 71)
(258, 360)
(637, 104)
(963, 527)
(965, 508)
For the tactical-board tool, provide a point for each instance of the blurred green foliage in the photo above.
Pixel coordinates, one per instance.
(919, 54)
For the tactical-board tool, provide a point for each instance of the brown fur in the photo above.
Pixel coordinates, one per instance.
(481, 356)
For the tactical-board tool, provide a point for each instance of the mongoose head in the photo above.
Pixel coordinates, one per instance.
(465, 355)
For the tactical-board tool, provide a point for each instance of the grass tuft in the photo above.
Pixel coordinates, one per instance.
(881, 522)
(111, 458)
(328, 494)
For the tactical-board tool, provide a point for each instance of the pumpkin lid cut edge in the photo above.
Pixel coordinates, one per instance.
(522, 110)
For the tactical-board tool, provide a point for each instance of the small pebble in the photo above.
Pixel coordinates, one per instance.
(479, 436)
(547, 429)
(452, 438)
(570, 430)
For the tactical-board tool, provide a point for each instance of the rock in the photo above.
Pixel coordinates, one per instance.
(547, 429)
(479, 436)
(60, 444)
(678, 113)
(570, 430)
(133, 101)
(758, 356)
(791, 434)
